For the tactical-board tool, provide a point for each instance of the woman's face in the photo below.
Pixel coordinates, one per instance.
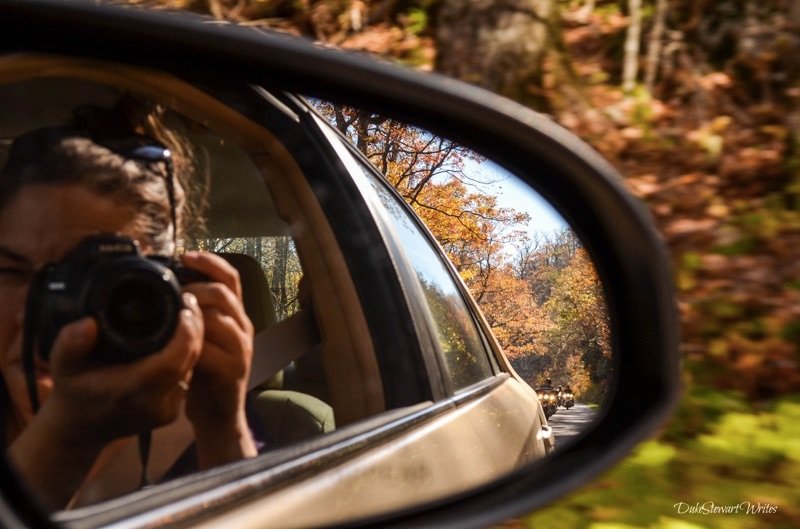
(39, 225)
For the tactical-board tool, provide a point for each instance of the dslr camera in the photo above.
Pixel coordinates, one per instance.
(135, 299)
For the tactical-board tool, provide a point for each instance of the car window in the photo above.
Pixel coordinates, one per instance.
(277, 257)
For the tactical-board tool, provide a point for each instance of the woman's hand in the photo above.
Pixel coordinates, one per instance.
(216, 399)
(92, 403)
(122, 399)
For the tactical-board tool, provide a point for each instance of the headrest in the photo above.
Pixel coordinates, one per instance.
(255, 292)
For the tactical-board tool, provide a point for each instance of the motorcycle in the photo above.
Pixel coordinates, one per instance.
(568, 400)
(548, 400)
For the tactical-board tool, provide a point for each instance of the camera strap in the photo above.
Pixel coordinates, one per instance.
(145, 440)
(28, 338)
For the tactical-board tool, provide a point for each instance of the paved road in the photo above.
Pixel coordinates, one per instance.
(568, 423)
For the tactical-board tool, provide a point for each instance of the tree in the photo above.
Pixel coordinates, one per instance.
(580, 338)
(540, 260)
(654, 45)
(630, 65)
(278, 259)
(568, 327)
(545, 304)
(498, 44)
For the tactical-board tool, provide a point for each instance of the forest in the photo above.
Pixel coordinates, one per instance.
(697, 104)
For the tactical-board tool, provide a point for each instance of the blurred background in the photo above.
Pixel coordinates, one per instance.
(697, 104)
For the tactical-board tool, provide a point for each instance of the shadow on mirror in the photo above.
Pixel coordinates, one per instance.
(523, 264)
(192, 281)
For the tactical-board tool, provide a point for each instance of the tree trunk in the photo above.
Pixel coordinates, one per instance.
(279, 275)
(497, 44)
(630, 66)
(654, 45)
(793, 117)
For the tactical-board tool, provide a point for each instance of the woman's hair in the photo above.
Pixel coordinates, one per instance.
(87, 151)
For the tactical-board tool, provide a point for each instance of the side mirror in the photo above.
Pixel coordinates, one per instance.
(613, 227)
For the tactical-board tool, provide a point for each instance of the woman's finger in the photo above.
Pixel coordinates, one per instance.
(223, 331)
(72, 346)
(219, 297)
(179, 356)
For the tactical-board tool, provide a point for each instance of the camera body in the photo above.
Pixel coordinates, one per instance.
(135, 299)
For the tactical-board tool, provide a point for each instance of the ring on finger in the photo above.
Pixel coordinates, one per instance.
(184, 382)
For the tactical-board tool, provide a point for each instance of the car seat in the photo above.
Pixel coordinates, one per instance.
(288, 415)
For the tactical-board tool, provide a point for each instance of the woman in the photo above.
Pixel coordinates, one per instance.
(59, 186)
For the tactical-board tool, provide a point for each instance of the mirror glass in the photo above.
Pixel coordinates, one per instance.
(520, 260)
(375, 271)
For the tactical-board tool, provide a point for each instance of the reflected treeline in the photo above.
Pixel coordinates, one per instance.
(461, 345)
(279, 262)
(570, 338)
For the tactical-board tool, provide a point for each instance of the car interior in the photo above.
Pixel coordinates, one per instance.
(314, 366)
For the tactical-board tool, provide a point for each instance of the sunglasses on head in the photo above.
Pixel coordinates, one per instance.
(147, 150)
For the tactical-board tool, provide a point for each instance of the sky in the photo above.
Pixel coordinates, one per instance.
(511, 192)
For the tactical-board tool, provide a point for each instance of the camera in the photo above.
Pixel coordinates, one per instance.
(135, 299)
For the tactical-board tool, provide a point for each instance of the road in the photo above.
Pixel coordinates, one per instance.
(568, 423)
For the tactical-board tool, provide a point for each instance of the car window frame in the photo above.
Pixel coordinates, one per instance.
(469, 304)
(369, 264)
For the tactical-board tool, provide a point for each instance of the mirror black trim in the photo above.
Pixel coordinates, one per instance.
(618, 232)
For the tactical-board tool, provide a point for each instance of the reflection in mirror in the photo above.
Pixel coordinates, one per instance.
(522, 263)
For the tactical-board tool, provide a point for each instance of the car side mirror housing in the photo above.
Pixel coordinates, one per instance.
(585, 189)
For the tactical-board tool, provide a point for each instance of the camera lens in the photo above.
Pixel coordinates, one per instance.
(136, 303)
(131, 310)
